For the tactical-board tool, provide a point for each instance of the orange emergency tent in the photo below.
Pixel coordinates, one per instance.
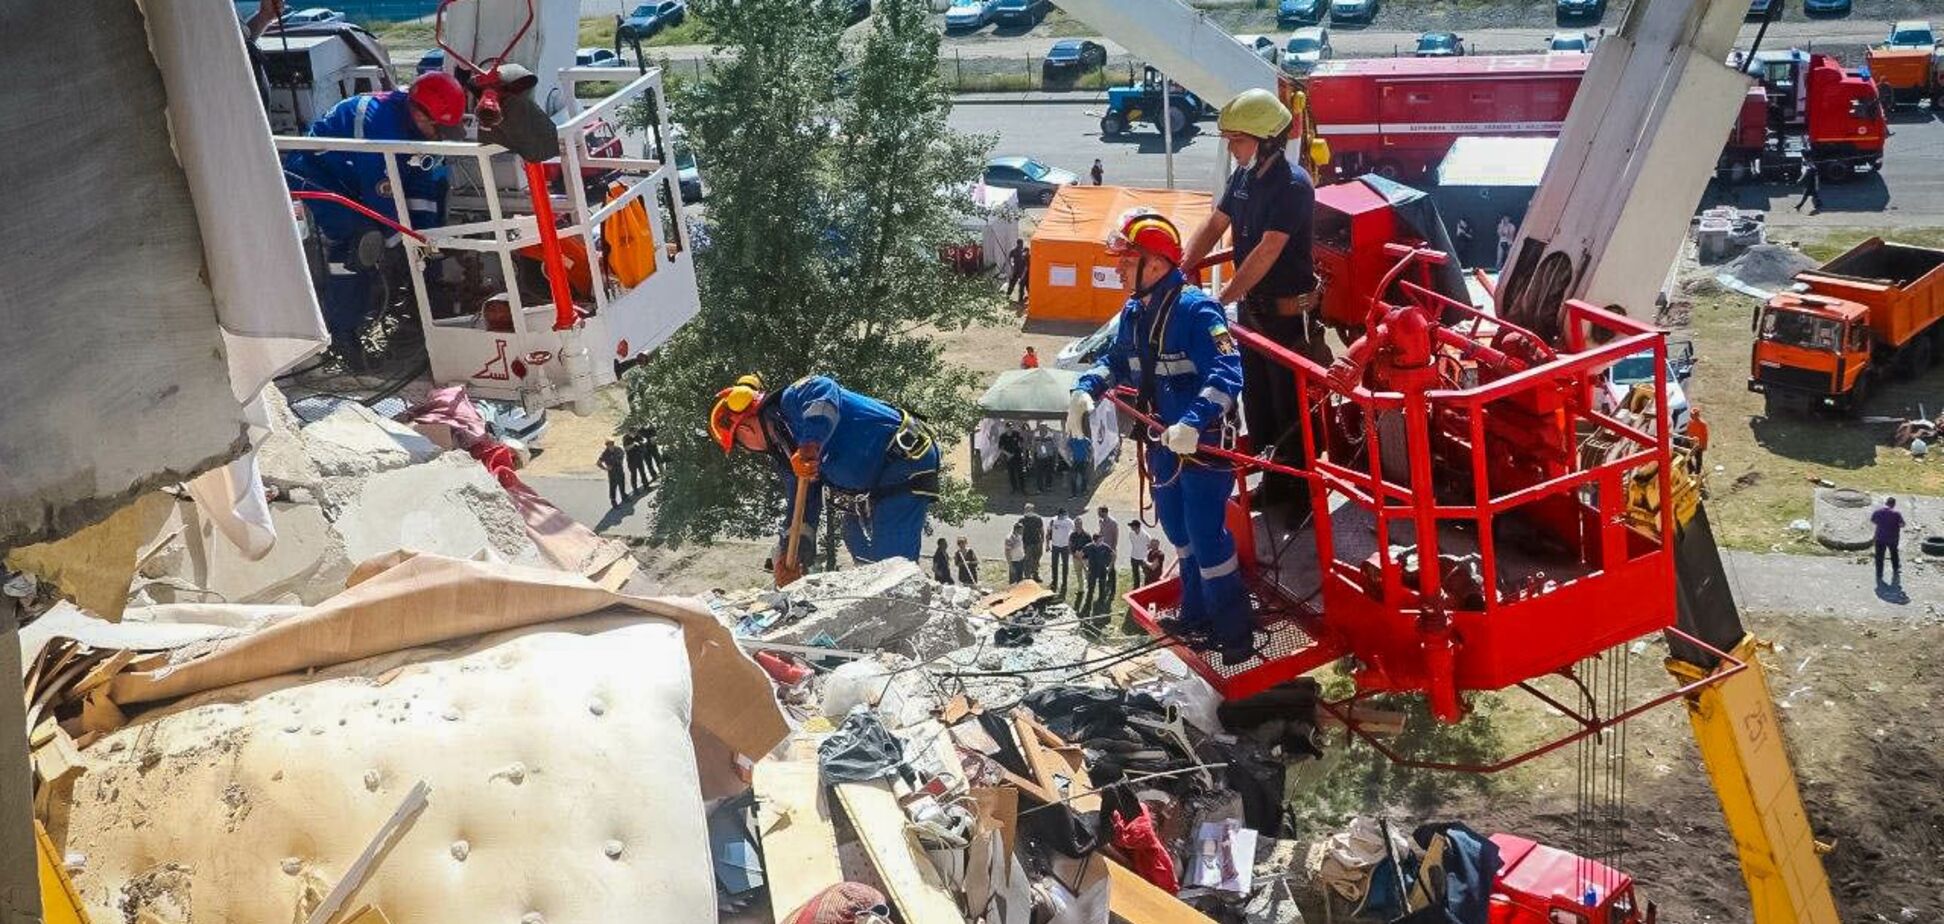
(1073, 277)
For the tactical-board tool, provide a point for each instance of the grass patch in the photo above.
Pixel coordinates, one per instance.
(1767, 467)
(692, 31)
(403, 34)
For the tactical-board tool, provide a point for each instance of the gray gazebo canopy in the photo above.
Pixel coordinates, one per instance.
(1029, 394)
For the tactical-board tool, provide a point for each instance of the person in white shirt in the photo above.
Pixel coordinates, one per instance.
(1016, 554)
(1137, 541)
(1059, 537)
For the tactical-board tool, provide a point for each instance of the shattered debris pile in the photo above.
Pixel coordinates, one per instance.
(1037, 771)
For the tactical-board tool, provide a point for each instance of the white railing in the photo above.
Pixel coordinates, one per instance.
(623, 320)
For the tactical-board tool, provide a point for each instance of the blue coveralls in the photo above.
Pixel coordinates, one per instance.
(1182, 334)
(881, 462)
(378, 117)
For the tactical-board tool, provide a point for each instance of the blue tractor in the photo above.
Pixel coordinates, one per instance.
(1130, 105)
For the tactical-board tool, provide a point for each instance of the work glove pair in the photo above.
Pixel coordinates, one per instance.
(1181, 439)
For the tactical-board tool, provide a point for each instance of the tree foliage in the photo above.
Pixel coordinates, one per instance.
(834, 182)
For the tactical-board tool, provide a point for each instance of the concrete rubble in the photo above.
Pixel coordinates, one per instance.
(1019, 752)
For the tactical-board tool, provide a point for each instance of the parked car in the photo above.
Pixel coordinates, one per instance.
(1826, 7)
(1911, 33)
(1573, 9)
(1264, 47)
(597, 57)
(1037, 183)
(688, 174)
(1569, 43)
(1764, 9)
(640, 24)
(1638, 369)
(310, 16)
(1025, 13)
(1074, 56)
(1301, 12)
(433, 60)
(1439, 45)
(1353, 10)
(1307, 47)
(967, 15)
(1080, 354)
(670, 13)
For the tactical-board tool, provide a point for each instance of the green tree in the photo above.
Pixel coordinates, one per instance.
(834, 181)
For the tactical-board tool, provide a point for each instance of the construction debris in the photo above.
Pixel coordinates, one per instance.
(1070, 777)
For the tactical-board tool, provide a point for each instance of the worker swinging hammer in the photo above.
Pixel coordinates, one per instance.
(880, 463)
(1174, 348)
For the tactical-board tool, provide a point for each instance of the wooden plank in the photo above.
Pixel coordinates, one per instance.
(354, 878)
(910, 880)
(999, 813)
(369, 914)
(799, 841)
(1137, 901)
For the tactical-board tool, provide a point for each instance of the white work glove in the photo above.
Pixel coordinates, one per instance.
(1078, 407)
(1181, 439)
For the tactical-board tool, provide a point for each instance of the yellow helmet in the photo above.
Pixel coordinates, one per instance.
(733, 405)
(1254, 112)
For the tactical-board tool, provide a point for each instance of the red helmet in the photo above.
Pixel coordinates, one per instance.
(440, 97)
(1149, 232)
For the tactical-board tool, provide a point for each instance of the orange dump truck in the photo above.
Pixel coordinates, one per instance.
(1906, 77)
(1876, 310)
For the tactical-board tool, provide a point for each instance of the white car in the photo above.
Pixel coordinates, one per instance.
(310, 16)
(1307, 47)
(967, 15)
(1911, 33)
(1569, 43)
(1081, 354)
(1264, 47)
(597, 57)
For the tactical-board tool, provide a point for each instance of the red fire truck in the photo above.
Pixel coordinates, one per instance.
(1804, 105)
(1397, 117)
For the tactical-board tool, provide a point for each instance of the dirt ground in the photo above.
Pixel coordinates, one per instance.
(1867, 751)
(1762, 469)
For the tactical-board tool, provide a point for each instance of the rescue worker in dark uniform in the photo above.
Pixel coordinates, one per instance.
(1268, 203)
(1174, 348)
(880, 463)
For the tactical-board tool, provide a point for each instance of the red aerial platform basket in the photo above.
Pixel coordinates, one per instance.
(1459, 439)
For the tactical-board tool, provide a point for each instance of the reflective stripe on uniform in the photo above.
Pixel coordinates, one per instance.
(421, 205)
(1222, 570)
(358, 123)
(1174, 367)
(1219, 397)
(824, 409)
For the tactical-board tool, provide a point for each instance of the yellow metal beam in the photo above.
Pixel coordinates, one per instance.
(1741, 743)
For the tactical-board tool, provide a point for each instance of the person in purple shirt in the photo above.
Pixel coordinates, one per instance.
(1889, 531)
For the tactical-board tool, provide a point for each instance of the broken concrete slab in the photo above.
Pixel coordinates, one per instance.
(354, 440)
(889, 605)
(1842, 518)
(450, 505)
(282, 457)
(194, 563)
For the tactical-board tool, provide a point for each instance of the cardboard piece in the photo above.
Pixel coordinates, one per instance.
(1015, 598)
(912, 883)
(799, 840)
(999, 813)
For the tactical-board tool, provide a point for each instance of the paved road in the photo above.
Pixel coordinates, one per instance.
(1363, 42)
(1066, 133)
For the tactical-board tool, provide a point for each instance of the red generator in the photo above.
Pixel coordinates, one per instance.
(1397, 117)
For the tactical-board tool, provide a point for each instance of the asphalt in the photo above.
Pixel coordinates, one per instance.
(1064, 130)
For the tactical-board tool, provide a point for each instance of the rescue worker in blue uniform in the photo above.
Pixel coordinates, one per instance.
(880, 463)
(431, 110)
(369, 249)
(1174, 348)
